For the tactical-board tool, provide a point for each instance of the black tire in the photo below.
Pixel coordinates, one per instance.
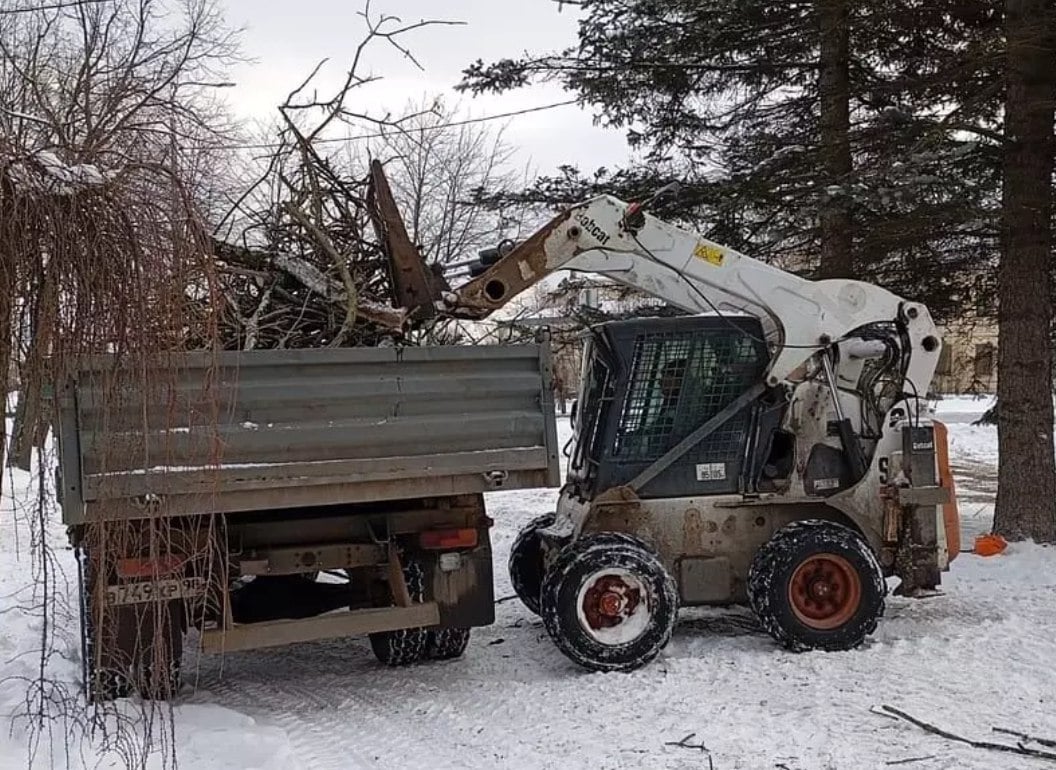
(447, 643)
(161, 680)
(407, 645)
(160, 661)
(101, 683)
(608, 603)
(527, 567)
(816, 585)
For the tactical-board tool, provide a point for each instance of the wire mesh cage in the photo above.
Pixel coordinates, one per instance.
(679, 380)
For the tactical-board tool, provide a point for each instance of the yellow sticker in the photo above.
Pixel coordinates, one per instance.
(712, 254)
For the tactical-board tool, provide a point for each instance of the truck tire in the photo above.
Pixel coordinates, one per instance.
(817, 585)
(406, 645)
(526, 564)
(160, 663)
(608, 603)
(161, 680)
(104, 682)
(447, 643)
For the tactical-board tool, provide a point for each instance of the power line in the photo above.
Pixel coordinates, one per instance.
(52, 7)
(396, 129)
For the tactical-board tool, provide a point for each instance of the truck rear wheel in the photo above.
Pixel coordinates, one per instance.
(447, 643)
(103, 679)
(160, 680)
(608, 603)
(406, 645)
(817, 585)
(160, 662)
(127, 648)
(106, 667)
(526, 562)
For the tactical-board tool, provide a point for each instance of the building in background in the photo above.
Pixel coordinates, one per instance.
(968, 363)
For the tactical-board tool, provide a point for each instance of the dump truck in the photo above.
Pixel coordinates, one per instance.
(266, 498)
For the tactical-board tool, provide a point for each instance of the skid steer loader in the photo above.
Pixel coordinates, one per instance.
(769, 447)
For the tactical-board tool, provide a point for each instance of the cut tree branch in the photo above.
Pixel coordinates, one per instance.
(988, 745)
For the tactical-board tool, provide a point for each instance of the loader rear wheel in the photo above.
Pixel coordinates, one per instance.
(406, 645)
(817, 585)
(526, 565)
(608, 603)
(447, 643)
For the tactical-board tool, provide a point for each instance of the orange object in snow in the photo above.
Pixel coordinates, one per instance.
(989, 545)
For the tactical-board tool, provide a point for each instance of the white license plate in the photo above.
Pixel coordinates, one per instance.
(155, 590)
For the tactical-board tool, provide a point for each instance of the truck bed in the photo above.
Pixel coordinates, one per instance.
(198, 433)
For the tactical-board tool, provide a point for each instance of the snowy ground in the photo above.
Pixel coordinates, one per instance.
(977, 657)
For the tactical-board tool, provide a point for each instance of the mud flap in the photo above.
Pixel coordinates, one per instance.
(460, 582)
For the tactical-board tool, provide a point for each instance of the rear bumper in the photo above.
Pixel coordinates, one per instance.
(276, 633)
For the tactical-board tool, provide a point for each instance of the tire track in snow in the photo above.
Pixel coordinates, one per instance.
(364, 716)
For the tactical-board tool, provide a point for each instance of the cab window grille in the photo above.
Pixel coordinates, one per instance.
(678, 381)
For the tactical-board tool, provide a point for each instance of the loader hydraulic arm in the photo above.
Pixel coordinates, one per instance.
(620, 241)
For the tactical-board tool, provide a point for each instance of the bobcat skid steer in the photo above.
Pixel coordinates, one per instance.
(770, 448)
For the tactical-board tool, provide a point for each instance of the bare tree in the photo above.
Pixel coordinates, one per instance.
(116, 82)
(438, 161)
(107, 124)
(93, 94)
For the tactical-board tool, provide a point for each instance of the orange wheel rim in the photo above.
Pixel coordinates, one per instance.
(825, 591)
(608, 600)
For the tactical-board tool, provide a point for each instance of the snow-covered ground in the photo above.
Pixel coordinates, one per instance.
(979, 656)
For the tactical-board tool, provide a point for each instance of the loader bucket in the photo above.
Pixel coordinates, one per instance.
(416, 287)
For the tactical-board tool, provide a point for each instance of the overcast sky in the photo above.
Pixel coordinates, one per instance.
(287, 39)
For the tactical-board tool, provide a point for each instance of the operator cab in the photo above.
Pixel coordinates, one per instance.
(650, 383)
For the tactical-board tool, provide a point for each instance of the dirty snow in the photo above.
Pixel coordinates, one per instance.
(979, 656)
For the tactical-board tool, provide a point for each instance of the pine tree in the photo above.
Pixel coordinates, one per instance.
(908, 142)
(1026, 495)
(801, 129)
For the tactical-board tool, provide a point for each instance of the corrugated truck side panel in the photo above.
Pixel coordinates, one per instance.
(276, 429)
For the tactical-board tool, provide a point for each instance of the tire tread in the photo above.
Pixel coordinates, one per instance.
(779, 555)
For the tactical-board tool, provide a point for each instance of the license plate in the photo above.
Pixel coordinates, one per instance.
(155, 590)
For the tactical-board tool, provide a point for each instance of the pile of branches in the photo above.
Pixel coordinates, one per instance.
(301, 256)
(315, 278)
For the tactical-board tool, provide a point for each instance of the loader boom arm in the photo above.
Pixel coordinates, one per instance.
(799, 316)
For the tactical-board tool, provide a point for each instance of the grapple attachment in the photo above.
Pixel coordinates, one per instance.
(416, 287)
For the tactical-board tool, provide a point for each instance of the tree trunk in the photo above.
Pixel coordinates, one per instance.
(6, 358)
(1026, 494)
(835, 92)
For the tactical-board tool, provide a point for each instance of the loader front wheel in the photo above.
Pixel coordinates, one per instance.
(527, 565)
(817, 585)
(608, 603)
